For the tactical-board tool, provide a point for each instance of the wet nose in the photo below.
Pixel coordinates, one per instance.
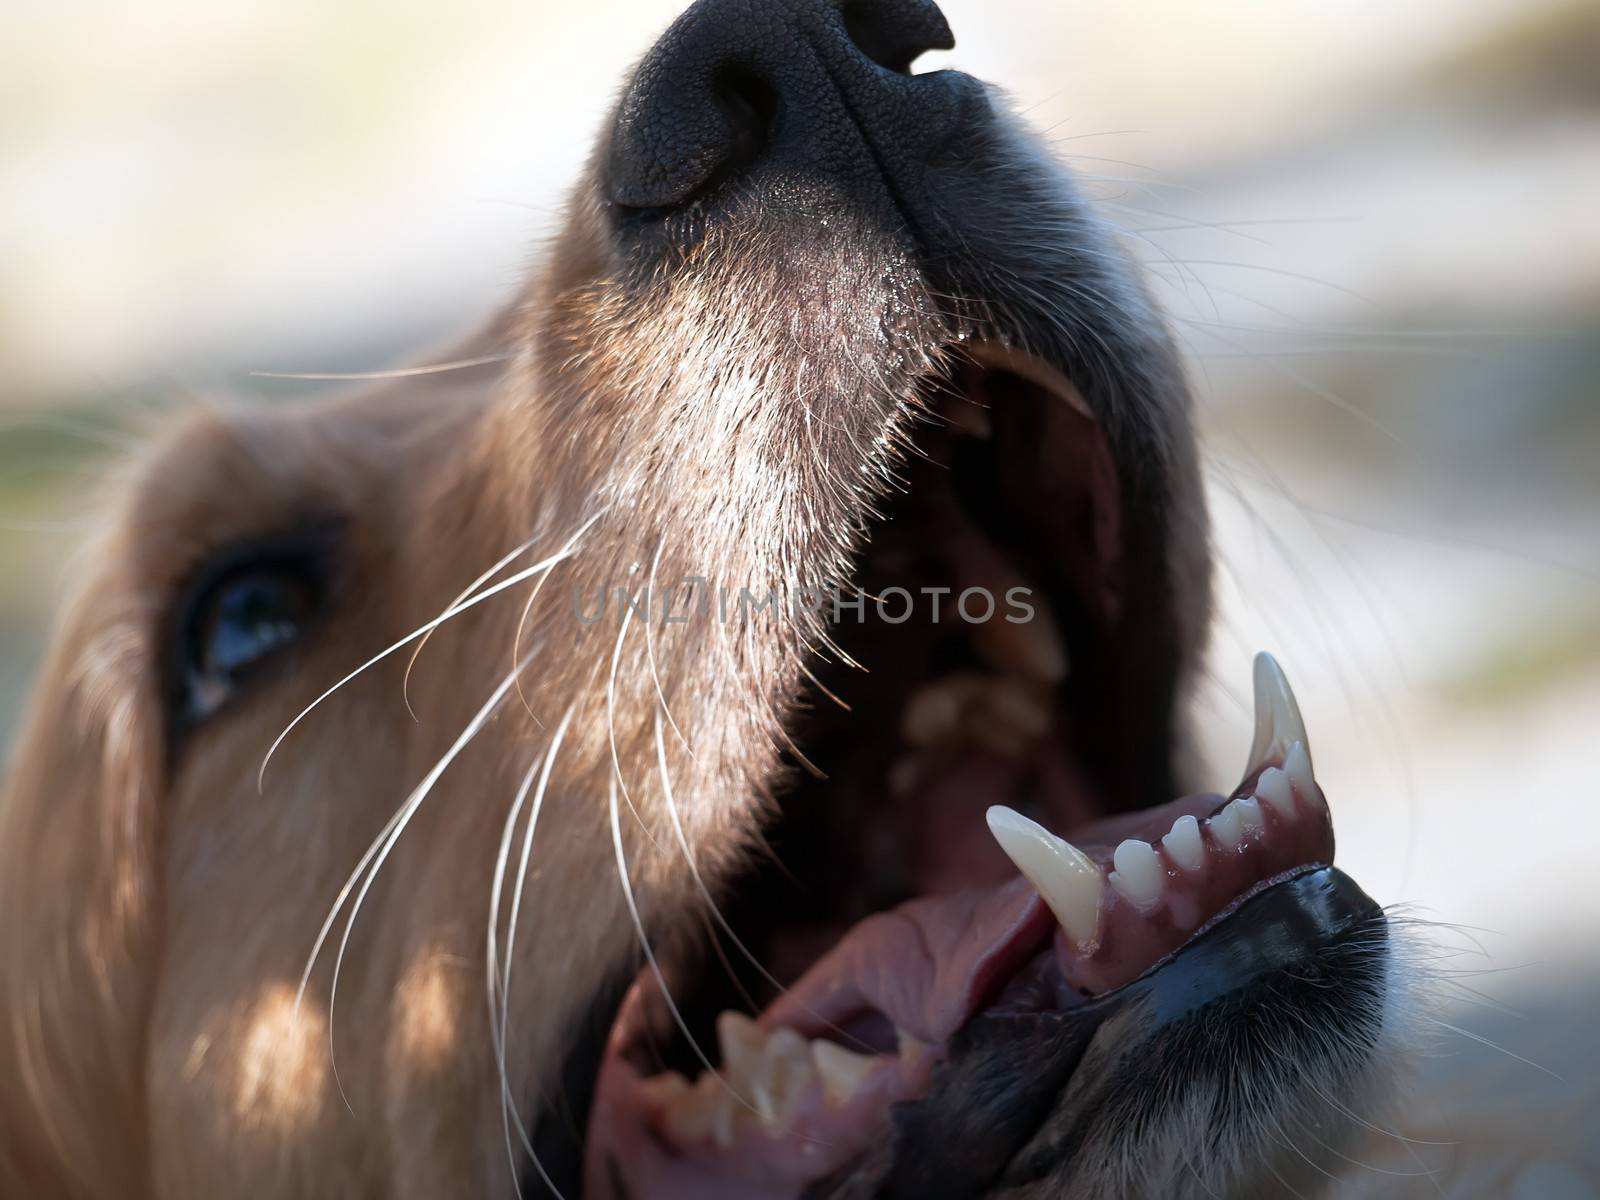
(735, 85)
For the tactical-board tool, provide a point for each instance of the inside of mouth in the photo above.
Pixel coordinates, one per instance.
(992, 662)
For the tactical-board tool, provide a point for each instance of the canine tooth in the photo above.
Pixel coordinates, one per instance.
(1032, 648)
(1250, 816)
(842, 1071)
(1297, 765)
(1273, 787)
(1226, 827)
(1138, 875)
(1278, 721)
(1064, 876)
(1184, 845)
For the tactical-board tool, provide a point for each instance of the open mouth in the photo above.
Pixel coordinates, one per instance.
(975, 830)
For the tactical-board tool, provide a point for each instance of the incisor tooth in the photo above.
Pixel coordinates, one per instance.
(1183, 844)
(1273, 787)
(1139, 875)
(1297, 765)
(1278, 722)
(841, 1071)
(1063, 875)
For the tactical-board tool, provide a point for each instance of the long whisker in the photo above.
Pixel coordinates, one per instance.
(500, 987)
(705, 892)
(650, 954)
(459, 364)
(511, 556)
(544, 564)
(372, 862)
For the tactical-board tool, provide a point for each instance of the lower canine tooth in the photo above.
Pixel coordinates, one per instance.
(842, 1071)
(1063, 875)
(1273, 787)
(1139, 875)
(1183, 844)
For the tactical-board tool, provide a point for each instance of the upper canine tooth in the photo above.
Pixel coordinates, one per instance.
(1183, 844)
(842, 1071)
(1278, 722)
(1063, 875)
(1139, 875)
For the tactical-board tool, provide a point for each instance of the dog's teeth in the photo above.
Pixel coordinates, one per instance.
(1251, 819)
(1273, 787)
(1139, 875)
(745, 1063)
(701, 1111)
(1297, 765)
(791, 1071)
(1278, 722)
(842, 1071)
(1063, 875)
(1227, 827)
(1007, 716)
(665, 1090)
(1032, 648)
(933, 712)
(1184, 845)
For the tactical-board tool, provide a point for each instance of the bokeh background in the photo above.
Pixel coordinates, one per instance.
(1376, 225)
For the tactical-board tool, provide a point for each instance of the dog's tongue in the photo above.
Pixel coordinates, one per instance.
(918, 971)
(926, 966)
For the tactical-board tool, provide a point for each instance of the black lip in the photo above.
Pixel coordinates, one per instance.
(1006, 1108)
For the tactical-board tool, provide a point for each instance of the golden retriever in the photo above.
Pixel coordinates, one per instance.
(718, 739)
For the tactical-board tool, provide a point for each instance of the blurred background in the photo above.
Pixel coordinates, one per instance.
(1376, 226)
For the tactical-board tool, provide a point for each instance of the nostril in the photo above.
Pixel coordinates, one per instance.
(751, 103)
(894, 33)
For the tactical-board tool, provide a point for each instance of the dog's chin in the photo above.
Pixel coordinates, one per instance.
(947, 998)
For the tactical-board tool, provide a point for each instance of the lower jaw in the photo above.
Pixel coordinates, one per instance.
(952, 1119)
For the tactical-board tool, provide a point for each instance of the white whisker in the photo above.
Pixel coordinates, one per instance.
(650, 955)
(544, 564)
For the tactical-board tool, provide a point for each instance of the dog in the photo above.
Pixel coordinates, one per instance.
(715, 737)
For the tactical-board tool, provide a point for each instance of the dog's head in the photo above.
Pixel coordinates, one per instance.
(831, 495)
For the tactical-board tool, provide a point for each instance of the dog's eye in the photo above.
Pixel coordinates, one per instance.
(237, 620)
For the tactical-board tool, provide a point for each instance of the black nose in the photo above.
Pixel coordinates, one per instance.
(797, 84)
